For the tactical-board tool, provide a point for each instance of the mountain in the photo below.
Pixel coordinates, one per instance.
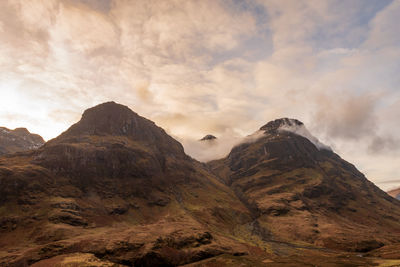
(18, 140)
(116, 187)
(116, 190)
(208, 137)
(300, 190)
(395, 193)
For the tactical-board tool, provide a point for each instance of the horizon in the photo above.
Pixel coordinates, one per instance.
(212, 67)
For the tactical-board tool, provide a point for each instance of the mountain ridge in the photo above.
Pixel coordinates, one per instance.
(116, 189)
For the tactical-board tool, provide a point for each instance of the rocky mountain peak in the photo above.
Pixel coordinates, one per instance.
(278, 123)
(108, 118)
(110, 140)
(292, 127)
(208, 137)
(112, 119)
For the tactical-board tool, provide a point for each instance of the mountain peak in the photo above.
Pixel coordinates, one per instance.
(115, 120)
(109, 118)
(110, 106)
(293, 126)
(208, 137)
(114, 141)
(278, 123)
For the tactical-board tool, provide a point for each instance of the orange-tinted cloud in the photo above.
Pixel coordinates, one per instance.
(219, 67)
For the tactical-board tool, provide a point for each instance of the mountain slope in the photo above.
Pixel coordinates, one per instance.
(116, 186)
(18, 140)
(302, 191)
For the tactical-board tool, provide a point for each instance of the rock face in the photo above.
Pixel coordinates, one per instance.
(18, 140)
(115, 189)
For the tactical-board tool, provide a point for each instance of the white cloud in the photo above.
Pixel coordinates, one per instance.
(332, 64)
(302, 131)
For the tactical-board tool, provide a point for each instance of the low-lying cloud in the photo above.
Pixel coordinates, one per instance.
(302, 131)
(218, 148)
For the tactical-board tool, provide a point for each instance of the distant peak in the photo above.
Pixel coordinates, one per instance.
(278, 123)
(208, 137)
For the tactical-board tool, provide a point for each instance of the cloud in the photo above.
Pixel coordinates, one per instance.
(218, 148)
(142, 90)
(210, 150)
(386, 144)
(218, 67)
(302, 131)
(383, 31)
(349, 116)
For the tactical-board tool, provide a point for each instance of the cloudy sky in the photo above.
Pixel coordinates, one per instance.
(222, 67)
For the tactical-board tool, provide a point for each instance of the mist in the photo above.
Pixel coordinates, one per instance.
(208, 150)
(302, 131)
